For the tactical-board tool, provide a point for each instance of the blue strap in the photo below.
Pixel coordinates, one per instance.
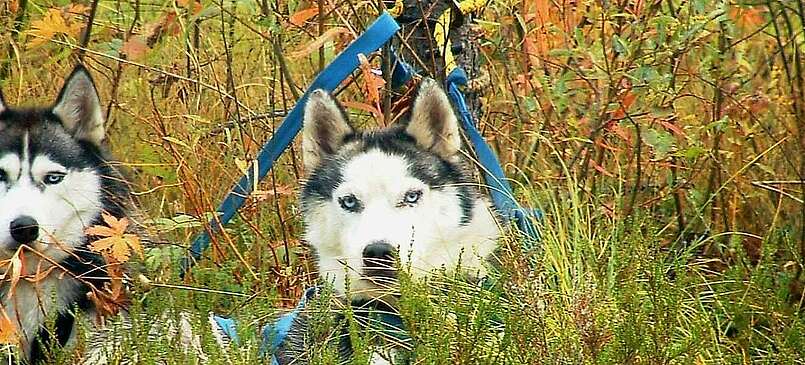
(275, 334)
(499, 188)
(227, 327)
(342, 66)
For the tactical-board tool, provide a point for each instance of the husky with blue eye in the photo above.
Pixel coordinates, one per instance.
(55, 181)
(404, 192)
(373, 197)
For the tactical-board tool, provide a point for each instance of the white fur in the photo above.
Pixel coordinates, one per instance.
(32, 303)
(63, 211)
(428, 235)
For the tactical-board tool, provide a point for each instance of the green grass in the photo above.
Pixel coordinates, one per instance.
(594, 290)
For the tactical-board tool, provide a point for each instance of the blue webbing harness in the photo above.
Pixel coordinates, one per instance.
(339, 69)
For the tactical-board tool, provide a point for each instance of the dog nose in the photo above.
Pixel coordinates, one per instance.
(378, 251)
(24, 229)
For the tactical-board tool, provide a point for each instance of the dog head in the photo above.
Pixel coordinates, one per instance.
(53, 177)
(403, 192)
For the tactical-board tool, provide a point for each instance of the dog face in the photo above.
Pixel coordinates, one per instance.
(398, 193)
(51, 173)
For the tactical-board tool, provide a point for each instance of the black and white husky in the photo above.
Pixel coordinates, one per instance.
(402, 192)
(55, 181)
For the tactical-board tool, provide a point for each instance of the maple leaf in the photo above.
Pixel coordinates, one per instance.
(51, 25)
(116, 243)
(8, 331)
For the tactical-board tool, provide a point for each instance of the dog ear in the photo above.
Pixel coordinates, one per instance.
(2, 102)
(433, 123)
(79, 107)
(324, 127)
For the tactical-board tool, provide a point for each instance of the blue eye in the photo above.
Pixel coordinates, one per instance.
(412, 197)
(53, 178)
(349, 203)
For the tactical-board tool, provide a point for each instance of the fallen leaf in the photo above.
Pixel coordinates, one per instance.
(300, 17)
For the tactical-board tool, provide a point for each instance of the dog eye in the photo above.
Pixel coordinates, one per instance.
(349, 203)
(53, 178)
(3, 176)
(412, 197)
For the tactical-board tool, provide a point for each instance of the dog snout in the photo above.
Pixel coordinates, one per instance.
(24, 229)
(378, 253)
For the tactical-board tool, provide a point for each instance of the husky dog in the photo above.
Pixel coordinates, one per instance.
(55, 181)
(374, 197)
(402, 192)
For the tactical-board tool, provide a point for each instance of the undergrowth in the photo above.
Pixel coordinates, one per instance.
(661, 140)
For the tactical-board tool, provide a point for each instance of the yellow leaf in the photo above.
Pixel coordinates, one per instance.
(8, 331)
(242, 165)
(116, 244)
(100, 231)
(51, 25)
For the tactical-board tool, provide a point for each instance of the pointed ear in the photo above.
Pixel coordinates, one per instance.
(324, 127)
(79, 107)
(433, 123)
(2, 102)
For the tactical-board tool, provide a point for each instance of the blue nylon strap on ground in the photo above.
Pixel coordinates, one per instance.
(275, 334)
(499, 188)
(342, 66)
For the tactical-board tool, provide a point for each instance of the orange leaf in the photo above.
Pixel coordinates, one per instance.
(300, 17)
(116, 244)
(372, 83)
(8, 331)
(51, 25)
(601, 169)
(318, 42)
(360, 106)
